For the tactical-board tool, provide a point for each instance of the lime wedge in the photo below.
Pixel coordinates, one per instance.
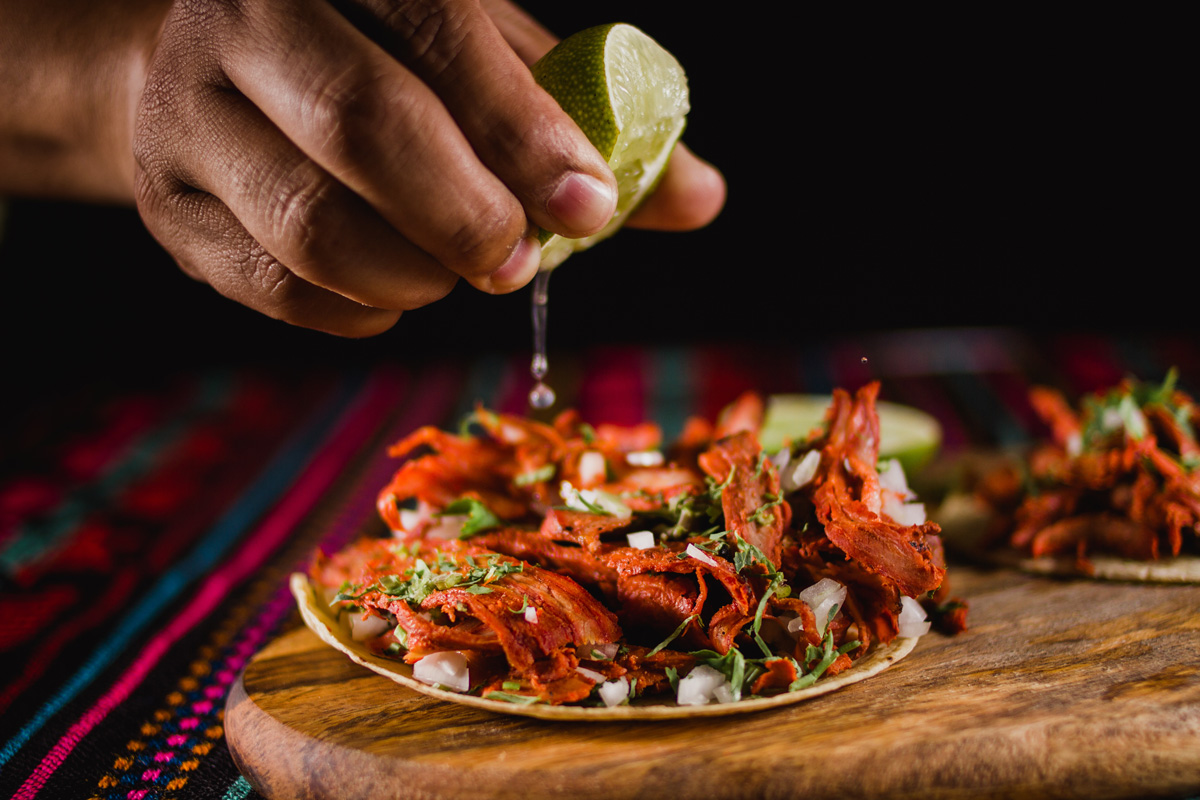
(629, 96)
(905, 433)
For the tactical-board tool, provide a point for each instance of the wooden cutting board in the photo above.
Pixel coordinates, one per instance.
(1059, 689)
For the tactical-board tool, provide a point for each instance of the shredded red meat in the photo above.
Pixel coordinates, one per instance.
(750, 481)
(847, 501)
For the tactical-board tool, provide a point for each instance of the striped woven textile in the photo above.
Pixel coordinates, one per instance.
(146, 534)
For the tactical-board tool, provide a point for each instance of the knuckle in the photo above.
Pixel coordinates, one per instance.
(349, 109)
(299, 206)
(277, 291)
(170, 209)
(284, 296)
(478, 246)
(434, 32)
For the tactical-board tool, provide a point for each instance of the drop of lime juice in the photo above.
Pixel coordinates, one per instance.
(541, 396)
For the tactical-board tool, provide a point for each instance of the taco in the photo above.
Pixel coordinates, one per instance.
(574, 572)
(1114, 492)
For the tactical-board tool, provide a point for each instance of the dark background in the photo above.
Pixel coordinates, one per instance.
(883, 172)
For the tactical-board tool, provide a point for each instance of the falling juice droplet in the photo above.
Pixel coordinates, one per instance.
(541, 396)
(864, 359)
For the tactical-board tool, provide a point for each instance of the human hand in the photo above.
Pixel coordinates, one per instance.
(336, 169)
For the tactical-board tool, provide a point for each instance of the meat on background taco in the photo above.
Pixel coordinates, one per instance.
(1114, 492)
(569, 571)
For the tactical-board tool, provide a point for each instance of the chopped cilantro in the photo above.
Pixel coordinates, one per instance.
(480, 417)
(479, 516)
(762, 462)
(674, 635)
(761, 515)
(542, 473)
(748, 555)
(593, 501)
(715, 489)
(824, 656)
(521, 610)
(448, 572)
(757, 625)
(737, 669)
(1121, 408)
(519, 699)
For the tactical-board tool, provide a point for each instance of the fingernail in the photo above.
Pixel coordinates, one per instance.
(519, 269)
(583, 204)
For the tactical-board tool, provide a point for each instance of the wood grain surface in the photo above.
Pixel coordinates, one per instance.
(1070, 689)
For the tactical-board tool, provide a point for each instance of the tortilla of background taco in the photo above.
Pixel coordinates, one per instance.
(1180, 569)
(964, 521)
(336, 634)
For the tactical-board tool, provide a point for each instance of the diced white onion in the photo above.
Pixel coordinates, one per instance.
(723, 693)
(447, 669)
(411, 519)
(700, 555)
(592, 469)
(780, 458)
(795, 626)
(531, 615)
(590, 674)
(589, 499)
(369, 627)
(512, 434)
(644, 458)
(823, 596)
(602, 652)
(901, 512)
(447, 527)
(614, 692)
(699, 686)
(640, 540)
(800, 472)
(913, 620)
(892, 477)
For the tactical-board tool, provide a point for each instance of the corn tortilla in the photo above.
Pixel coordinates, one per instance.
(318, 618)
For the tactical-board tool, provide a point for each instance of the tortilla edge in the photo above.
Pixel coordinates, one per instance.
(331, 632)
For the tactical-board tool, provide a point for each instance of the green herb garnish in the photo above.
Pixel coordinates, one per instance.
(519, 699)
(421, 580)
(674, 635)
(479, 517)
(542, 473)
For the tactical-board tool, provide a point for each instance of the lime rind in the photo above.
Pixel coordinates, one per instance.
(905, 433)
(570, 74)
(630, 97)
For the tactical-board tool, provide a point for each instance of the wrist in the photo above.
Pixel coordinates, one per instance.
(75, 71)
